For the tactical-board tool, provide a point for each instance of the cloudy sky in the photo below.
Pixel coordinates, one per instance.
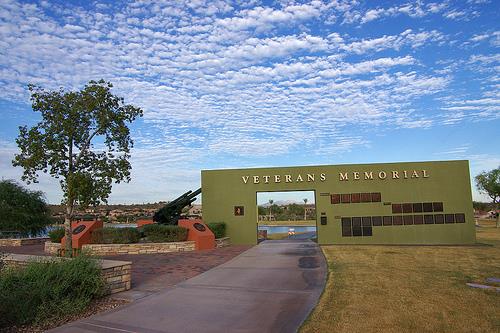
(249, 83)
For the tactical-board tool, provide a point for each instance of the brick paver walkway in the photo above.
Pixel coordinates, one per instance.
(158, 271)
(154, 272)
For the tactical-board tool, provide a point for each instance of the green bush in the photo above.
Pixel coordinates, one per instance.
(42, 292)
(56, 235)
(158, 233)
(218, 228)
(115, 236)
(22, 210)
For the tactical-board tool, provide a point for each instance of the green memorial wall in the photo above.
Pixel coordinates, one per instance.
(389, 203)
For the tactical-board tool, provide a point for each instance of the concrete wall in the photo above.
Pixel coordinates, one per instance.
(447, 182)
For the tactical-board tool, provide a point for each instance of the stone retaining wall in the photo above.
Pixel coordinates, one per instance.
(138, 248)
(22, 241)
(51, 248)
(116, 274)
(222, 242)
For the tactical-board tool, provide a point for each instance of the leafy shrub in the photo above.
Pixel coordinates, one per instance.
(158, 233)
(56, 235)
(41, 292)
(22, 210)
(218, 228)
(115, 236)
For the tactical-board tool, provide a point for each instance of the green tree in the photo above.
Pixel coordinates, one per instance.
(22, 210)
(489, 183)
(82, 140)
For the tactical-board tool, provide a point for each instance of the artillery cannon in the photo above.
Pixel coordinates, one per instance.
(171, 212)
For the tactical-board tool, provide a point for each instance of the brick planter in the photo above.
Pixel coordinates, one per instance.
(138, 248)
(116, 274)
(222, 242)
(22, 241)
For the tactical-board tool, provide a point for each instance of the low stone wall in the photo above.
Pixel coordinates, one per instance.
(51, 248)
(138, 248)
(22, 241)
(116, 274)
(222, 242)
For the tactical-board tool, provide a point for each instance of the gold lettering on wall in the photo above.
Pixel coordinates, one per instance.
(343, 176)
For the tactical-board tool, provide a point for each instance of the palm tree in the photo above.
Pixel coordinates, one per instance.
(271, 201)
(305, 210)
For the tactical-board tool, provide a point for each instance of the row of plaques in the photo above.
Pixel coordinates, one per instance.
(362, 226)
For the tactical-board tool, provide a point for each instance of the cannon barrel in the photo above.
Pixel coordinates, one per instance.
(170, 213)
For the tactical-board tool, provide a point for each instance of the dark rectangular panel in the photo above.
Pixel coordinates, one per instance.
(323, 220)
(397, 220)
(335, 198)
(408, 219)
(345, 198)
(428, 207)
(460, 218)
(356, 197)
(376, 197)
(417, 207)
(439, 218)
(356, 231)
(449, 218)
(356, 221)
(407, 208)
(387, 220)
(366, 221)
(377, 220)
(346, 227)
(366, 197)
(346, 232)
(429, 219)
(346, 222)
(397, 208)
(418, 219)
(367, 231)
(437, 206)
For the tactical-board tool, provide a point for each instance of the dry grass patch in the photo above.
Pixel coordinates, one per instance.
(410, 288)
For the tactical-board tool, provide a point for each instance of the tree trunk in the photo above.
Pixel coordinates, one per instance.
(67, 231)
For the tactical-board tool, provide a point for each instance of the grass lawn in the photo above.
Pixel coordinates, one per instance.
(410, 288)
(294, 223)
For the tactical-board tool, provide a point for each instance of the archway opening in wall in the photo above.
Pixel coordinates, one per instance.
(286, 215)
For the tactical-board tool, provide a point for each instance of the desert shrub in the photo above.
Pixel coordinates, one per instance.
(41, 292)
(115, 236)
(158, 233)
(218, 228)
(56, 235)
(22, 210)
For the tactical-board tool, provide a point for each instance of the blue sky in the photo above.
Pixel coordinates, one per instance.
(230, 84)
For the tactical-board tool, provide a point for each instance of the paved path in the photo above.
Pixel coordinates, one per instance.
(270, 288)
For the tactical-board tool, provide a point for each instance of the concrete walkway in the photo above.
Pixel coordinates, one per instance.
(272, 287)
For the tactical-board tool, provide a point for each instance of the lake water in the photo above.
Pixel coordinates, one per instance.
(284, 229)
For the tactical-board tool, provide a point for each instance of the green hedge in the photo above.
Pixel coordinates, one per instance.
(158, 233)
(56, 235)
(218, 228)
(42, 292)
(115, 236)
